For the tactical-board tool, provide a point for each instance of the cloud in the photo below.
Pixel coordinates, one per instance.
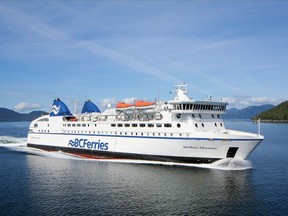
(49, 33)
(129, 100)
(104, 103)
(123, 59)
(26, 106)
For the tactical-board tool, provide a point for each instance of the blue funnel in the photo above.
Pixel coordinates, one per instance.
(90, 107)
(59, 109)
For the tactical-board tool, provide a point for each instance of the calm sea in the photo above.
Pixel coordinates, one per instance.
(34, 182)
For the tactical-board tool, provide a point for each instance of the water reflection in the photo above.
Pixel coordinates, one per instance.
(83, 187)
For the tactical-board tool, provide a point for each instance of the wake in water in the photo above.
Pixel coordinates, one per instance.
(19, 144)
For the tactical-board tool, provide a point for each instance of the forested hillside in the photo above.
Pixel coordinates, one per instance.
(278, 113)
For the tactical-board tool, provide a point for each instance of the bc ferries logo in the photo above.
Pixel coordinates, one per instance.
(85, 143)
(55, 109)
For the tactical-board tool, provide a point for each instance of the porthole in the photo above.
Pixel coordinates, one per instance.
(178, 115)
(196, 125)
(202, 124)
(193, 116)
(215, 124)
(178, 125)
(200, 116)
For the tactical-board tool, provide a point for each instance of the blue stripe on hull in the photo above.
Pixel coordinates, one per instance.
(151, 137)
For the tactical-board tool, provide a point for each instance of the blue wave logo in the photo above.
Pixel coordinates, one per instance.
(71, 143)
(86, 144)
(55, 109)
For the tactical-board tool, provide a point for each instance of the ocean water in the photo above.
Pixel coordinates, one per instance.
(35, 182)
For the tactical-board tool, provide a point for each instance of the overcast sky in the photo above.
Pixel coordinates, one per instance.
(110, 51)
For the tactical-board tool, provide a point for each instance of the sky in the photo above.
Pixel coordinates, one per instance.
(110, 51)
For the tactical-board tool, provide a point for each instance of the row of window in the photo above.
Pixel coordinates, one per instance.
(206, 107)
(128, 125)
(203, 125)
(144, 125)
(200, 116)
(77, 125)
(127, 133)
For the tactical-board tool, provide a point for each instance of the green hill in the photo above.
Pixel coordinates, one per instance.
(276, 114)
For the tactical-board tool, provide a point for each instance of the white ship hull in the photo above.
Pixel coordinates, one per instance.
(176, 149)
(181, 130)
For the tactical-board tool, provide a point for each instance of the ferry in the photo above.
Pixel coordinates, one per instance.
(181, 130)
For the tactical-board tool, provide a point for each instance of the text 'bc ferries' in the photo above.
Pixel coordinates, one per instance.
(180, 130)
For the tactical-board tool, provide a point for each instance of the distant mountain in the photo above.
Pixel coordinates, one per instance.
(276, 114)
(246, 113)
(232, 110)
(7, 115)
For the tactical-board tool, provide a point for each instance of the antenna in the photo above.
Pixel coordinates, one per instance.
(76, 105)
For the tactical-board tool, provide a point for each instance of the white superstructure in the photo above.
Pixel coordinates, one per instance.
(181, 130)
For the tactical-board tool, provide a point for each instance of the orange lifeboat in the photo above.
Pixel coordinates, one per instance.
(122, 105)
(143, 104)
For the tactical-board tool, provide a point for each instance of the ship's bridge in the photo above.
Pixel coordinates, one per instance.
(183, 104)
(198, 107)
